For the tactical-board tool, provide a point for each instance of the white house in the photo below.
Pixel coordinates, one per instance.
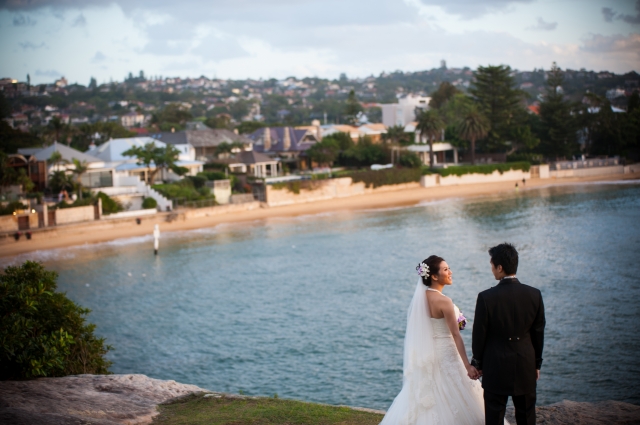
(403, 112)
(131, 119)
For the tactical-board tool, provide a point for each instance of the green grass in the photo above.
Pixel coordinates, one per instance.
(197, 409)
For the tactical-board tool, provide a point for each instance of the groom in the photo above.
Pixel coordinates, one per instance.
(508, 334)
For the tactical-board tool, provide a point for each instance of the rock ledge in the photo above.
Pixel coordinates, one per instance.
(133, 400)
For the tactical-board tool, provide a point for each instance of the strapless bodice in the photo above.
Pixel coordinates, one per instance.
(440, 328)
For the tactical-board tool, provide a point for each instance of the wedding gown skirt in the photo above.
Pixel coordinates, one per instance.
(453, 398)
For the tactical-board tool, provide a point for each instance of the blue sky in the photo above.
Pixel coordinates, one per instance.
(279, 38)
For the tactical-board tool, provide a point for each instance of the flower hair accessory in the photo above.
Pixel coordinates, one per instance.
(423, 270)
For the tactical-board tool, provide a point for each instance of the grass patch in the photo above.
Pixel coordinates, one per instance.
(196, 409)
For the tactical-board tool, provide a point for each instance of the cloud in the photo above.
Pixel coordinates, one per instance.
(51, 73)
(80, 21)
(630, 19)
(613, 44)
(32, 46)
(21, 20)
(609, 15)
(98, 57)
(543, 26)
(470, 9)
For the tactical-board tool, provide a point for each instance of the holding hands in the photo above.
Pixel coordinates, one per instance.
(473, 373)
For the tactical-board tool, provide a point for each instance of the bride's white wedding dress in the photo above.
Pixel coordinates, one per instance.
(436, 388)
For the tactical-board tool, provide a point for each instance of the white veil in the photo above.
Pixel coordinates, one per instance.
(417, 393)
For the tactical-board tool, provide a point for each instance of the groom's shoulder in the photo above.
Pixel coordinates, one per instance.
(530, 289)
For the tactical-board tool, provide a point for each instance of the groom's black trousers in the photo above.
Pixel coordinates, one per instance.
(496, 404)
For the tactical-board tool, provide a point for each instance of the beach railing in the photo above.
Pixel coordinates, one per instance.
(586, 163)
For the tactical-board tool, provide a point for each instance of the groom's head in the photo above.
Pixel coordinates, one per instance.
(504, 260)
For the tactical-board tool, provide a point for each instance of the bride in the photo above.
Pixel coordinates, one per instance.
(439, 385)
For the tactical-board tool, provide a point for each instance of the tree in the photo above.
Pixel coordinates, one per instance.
(59, 181)
(55, 127)
(558, 126)
(43, 332)
(161, 158)
(445, 92)
(219, 121)
(248, 127)
(324, 152)
(394, 134)
(473, 126)
(352, 107)
(79, 168)
(430, 126)
(500, 102)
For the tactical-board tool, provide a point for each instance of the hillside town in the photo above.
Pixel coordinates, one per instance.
(157, 143)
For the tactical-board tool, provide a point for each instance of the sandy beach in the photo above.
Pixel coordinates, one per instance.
(95, 232)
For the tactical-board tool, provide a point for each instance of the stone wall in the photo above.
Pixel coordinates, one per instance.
(588, 172)
(8, 223)
(75, 215)
(219, 209)
(322, 190)
(437, 180)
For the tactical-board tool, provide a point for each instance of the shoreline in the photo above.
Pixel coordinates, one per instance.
(98, 232)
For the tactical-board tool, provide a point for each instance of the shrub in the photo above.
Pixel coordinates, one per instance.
(197, 181)
(213, 175)
(109, 205)
(410, 160)
(149, 203)
(386, 177)
(183, 190)
(532, 158)
(77, 203)
(42, 332)
(11, 207)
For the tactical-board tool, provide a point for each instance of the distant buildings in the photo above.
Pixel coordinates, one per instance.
(403, 112)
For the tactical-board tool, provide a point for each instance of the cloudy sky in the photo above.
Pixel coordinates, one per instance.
(278, 38)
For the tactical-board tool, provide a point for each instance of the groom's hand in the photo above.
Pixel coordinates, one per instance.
(537, 374)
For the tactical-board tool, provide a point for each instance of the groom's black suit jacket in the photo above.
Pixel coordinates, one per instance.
(508, 335)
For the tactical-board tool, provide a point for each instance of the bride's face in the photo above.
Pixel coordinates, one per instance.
(445, 275)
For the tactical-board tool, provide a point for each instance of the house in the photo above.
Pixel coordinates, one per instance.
(96, 167)
(132, 119)
(111, 152)
(204, 142)
(255, 164)
(373, 130)
(443, 153)
(351, 130)
(404, 111)
(287, 143)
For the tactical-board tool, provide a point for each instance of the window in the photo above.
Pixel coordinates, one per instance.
(97, 179)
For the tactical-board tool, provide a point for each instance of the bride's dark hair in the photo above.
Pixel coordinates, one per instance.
(434, 268)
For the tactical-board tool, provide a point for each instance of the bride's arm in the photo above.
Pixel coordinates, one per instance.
(452, 323)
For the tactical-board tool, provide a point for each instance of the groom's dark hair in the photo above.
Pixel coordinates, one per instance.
(505, 255)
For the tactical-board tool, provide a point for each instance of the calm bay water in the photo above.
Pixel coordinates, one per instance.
(314, 308)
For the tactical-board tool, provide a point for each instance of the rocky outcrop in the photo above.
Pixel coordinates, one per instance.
(83, 399)
(133, 400)
(574, 413)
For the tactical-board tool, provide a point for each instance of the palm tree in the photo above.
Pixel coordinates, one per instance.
(430, 126)
(56, 159)
(80, 167)
(394, 134)
(472, 127)
(56, 126)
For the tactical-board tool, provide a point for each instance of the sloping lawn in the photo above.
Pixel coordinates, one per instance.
(197, 409)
